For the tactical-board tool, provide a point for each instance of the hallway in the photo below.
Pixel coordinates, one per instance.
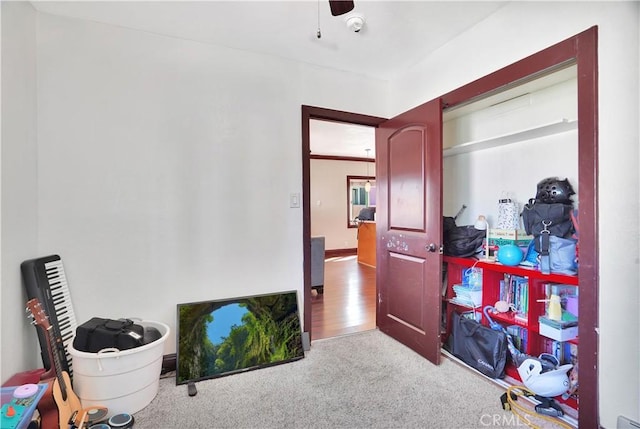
(348, 303)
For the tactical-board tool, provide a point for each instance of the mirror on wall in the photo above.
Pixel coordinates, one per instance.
(361, 193)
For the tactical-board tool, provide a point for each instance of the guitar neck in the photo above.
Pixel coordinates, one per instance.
(56, 361)
(51, 372)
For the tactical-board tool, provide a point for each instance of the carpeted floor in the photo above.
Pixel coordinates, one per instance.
(363, 380)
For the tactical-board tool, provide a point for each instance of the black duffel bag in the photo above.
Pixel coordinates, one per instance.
(478, 346)
(98, 333)
(461, 241)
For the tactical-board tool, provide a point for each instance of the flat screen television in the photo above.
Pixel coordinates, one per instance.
(222, 337)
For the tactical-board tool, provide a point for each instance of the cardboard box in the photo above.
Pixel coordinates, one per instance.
(557, 333)
(501, 237)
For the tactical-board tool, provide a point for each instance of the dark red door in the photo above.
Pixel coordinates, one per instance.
(409, 228)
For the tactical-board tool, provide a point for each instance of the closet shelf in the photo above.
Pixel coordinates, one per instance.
(505, 139)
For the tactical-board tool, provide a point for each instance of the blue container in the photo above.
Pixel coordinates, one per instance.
(23, 407)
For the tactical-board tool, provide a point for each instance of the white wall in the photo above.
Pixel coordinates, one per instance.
(328, 195)
(523, 28)
(479, 178)
(164, 169)
(19, 175)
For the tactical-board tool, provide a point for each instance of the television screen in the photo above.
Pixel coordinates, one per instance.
(222, 337)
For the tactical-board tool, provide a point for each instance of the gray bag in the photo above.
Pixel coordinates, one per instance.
(562, 256)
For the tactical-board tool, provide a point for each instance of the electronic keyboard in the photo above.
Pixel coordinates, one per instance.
(45, 279)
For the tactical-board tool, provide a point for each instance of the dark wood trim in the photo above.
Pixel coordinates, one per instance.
(588, 272)
(341, 158)
(582, 50)
(308, 113)
(340, 116)
(337, 253)
(530, 68)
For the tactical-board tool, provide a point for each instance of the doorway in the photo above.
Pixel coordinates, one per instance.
(345, 300)
(309, 113)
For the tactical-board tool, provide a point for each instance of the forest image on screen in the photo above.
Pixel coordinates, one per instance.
(221, 337)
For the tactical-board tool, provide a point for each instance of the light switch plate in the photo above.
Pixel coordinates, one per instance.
(294, 200)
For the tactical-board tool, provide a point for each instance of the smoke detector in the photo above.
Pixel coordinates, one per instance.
(355, 22)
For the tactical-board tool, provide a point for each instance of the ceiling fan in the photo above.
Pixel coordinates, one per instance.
(340, 7)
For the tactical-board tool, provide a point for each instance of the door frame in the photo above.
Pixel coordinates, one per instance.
(308, 113)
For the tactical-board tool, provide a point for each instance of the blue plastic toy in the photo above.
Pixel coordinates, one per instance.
(510, 254)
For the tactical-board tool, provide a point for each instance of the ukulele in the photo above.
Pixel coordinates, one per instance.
(65, 399)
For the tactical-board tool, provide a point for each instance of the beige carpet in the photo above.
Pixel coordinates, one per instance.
(363, 380)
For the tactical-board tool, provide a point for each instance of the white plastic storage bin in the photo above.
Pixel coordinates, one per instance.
(123, 381)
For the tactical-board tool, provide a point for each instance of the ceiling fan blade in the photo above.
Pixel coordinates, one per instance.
(340, 7)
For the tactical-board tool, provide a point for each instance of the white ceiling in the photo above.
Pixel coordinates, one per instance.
(396, 35)
(338, 139)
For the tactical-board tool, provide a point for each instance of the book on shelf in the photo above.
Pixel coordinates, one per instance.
(557, 329)
(519, 337)
(557, 324)
(564, 351)
(514, 290)
(463, 302)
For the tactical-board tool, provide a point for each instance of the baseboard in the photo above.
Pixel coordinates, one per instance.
(625, 423)
(336, 253)
(168, 363)
(306, 342)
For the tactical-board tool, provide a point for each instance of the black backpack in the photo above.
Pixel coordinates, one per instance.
(552, 219)
(548, 218)
(549, 213)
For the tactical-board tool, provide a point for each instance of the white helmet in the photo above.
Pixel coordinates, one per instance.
(550, 383)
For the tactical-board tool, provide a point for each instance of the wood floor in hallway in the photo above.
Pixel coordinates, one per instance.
(348, 303)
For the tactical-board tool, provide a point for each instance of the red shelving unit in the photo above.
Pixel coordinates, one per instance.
(492, 274)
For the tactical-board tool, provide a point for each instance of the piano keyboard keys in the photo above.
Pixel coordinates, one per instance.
(46, 280)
